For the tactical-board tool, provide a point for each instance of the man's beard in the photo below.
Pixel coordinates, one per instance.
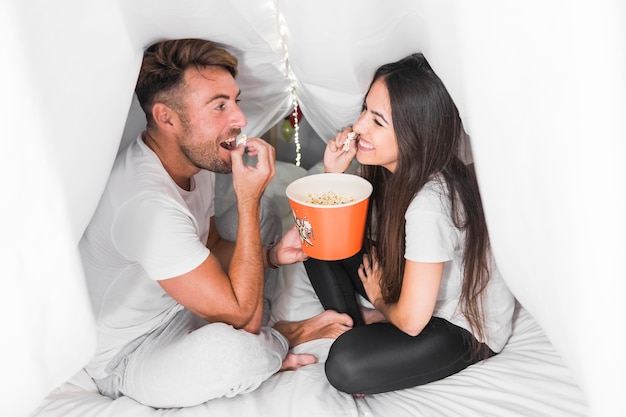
(203, 158)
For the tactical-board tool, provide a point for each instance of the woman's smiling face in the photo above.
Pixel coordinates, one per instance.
(377, 138)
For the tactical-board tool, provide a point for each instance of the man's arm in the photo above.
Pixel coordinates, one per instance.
(233, 294)
(222, 291)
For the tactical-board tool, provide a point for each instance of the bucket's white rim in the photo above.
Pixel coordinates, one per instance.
(311, 178)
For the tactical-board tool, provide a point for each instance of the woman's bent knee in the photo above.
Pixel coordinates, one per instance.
(344, 370)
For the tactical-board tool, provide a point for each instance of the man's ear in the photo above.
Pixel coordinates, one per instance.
(164, 116)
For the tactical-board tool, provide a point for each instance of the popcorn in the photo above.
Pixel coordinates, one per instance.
(346, 144)
(329, 198)
(242, 139)
(232, 142)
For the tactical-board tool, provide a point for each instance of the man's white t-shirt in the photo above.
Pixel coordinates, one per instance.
(146, 228)
(431, 236)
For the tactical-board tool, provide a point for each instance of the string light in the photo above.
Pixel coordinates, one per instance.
(282, 29)
(296, 126)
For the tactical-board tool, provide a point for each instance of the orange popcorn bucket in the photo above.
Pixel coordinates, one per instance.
(330, 226)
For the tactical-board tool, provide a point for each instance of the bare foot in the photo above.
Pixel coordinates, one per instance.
(294, 361)
(328, 324)
(358, 395)
(371, 315)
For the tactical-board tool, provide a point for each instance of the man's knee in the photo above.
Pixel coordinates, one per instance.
(214, 361)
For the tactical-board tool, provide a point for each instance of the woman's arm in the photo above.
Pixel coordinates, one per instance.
(418, 295)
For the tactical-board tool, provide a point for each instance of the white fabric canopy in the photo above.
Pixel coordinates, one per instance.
(541, 87)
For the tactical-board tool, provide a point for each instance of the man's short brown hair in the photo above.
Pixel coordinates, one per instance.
(164, 65)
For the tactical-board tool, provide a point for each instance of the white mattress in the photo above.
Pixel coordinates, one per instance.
(527, 379)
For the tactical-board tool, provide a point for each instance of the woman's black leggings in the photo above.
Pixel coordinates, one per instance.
(380, 357)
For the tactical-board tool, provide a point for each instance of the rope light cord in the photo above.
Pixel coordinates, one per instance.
(296, 126)
(282, 30)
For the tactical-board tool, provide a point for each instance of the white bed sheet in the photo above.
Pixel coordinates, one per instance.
(527, 379)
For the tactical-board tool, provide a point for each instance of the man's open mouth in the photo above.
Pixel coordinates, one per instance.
(232, 143)
(228, 143)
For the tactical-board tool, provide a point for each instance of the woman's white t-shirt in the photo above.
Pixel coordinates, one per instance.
(431, 236)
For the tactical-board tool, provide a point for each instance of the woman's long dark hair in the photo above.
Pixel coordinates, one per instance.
(429, 133)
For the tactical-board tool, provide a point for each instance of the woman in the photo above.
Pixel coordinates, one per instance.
(440, 304)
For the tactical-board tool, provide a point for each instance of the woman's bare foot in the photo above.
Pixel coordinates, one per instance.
(294, 361)
(371, 315)
(328, 324)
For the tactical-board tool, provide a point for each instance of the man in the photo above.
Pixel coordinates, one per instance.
(178, 308)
